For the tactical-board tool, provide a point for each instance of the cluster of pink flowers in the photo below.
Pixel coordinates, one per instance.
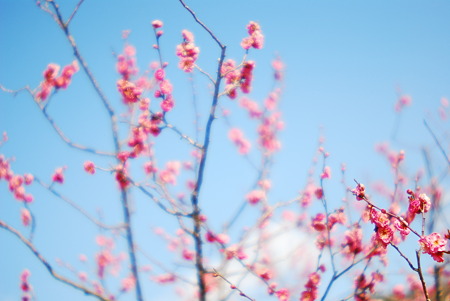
(247, 76)
(434, 245)
(237, 77)
(220, 238)
(25, 286)
(417, 204)
(157, 24)
(387, 224)
(52, 80)
(364, 287)
(122, 176)
(170, 173)
(105, 259)
(165, 90)
(251, 106)
(237, 137)
(187, 52)
(267, 131)
(352, 244)
(126, 63)
(129, 91)
(15, 182)
(137, 141)
(360, 192)
(255, 38)
(311, 287)
(151, 123)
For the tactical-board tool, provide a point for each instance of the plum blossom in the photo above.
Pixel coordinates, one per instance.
(25, 216)
(187, 52)
(130, 93)
(255, 38)
(237, 137)
(58, 175)
(434, 245)
(89, 167)
(255, 196)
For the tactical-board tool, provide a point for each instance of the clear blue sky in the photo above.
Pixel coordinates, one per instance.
(345, 61)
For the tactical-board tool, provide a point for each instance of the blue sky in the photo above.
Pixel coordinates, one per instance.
(345, 63)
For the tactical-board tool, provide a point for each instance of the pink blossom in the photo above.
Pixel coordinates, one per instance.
(157, 24)
(326, 173)
(188, 255)
(150, 168)
(255, 38)
(255, 196)
(318, 222)
(167, 104)
(237, 137)
(82, 276)
(252, 107)
(283, 294)
(130, 93)
(165, 87)
(187, 35)
(159, 74)
(63, 81)
(165, 278)
(403, 101)
(352, 244)
(28, 178)
(25, 215)
(434, 245)
(128, 283)
(360, 192)
(385, 235)
(89, 167)
(187, 52)
(58, 175)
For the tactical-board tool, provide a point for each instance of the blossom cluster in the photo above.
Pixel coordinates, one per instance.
(25, 286)
(387, 224)
(52, 80)
(255, 38)
(15, 182)
(187, 52)
(165, 90)
(237, 137)
(126, 63)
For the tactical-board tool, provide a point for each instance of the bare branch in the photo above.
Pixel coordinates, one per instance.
(49, 267)
(437, 142)
(73, 13)
(202, 25)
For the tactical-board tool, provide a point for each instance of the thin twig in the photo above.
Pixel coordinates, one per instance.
(78, 208)
(232, 286)
(437, 142)
(73, 13)
(202, 25)
(49, 267)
